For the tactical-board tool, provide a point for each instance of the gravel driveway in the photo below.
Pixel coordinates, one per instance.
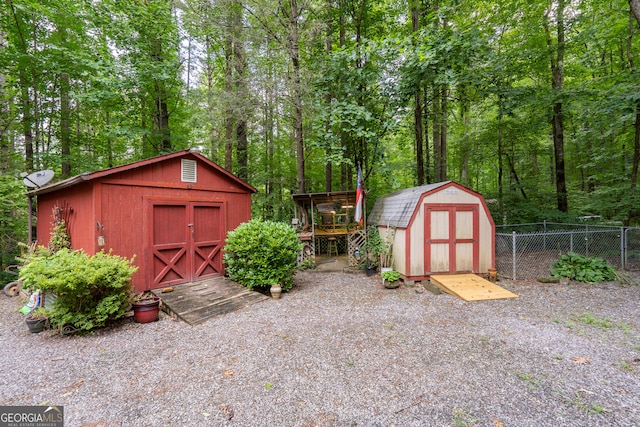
(340, 350)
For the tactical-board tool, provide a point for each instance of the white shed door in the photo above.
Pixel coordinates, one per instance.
(452, 239)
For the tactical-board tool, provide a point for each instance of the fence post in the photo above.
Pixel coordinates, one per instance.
(623, 240)
(513, 254)
(571, 241)
(544, 237)
(586, 240)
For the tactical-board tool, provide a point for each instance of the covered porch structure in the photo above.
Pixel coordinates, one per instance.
(325, 224)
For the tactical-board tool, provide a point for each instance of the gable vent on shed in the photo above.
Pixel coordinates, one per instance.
(189, 171)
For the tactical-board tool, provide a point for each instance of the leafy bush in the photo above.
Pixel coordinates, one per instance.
(262, 253)
(374, 246)
(59, 237)
(390, 275)
(583, 269)
(90, 290)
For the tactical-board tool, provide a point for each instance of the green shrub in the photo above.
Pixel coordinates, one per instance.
(374, 246)
(259, 254)
(59, 237)
(390, 275)
(583, 269)
(90, 290)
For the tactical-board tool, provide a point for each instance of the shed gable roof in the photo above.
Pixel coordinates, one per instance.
(397, 208)
(89, 176)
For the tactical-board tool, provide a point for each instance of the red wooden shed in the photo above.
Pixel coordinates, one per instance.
(171, 212)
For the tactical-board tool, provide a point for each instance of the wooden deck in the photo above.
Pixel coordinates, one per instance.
(470, 287)
(199, 301)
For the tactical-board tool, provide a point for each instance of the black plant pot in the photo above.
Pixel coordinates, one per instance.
(36, 325)
(370, 270)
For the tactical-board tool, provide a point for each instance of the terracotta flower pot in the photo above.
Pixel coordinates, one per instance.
(146, 310)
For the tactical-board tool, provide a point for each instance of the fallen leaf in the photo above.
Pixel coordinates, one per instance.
(228, 373)
(76, 384)
(581, 360)
(498, 423)
(227, 410)
(206, 414)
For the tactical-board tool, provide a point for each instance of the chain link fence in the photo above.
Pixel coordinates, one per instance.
(528, 251)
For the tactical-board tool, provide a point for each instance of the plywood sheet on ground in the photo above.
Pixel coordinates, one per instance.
(470, 287)
(199, 301)
(325, 263)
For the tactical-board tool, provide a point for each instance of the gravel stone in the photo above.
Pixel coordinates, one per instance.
(341, 350)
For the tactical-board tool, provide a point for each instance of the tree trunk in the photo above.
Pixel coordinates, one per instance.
(557, 121)
(436, 114)
(162, 132)
(440, 104)
(27, 121)
(240, 66)
(5, 150)
(515, 181)
(297, 95)
(443, 133)
(466, 146)
(228, 86)
(107, 120)
(328, 167)
(65, 125)
(500, 144)
(209, 70)
(425, 121)
(417, 107)
(162, 119)
(635, 9)
(417, 120)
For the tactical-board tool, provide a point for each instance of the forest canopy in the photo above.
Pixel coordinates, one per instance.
(535, 104)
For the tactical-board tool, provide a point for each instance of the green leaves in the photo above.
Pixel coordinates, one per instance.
(583, 269)
(90, 290)
(262, 253)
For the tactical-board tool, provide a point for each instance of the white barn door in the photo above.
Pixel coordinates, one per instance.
(451, 239)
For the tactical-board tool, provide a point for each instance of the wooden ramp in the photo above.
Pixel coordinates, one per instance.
(199, 301)
(470, 287)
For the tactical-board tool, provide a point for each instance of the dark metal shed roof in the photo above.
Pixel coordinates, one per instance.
(396, 209)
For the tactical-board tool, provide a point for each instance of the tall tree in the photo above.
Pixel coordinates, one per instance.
(635, 10)
(293, 13)
(416, 12)
(557, 121)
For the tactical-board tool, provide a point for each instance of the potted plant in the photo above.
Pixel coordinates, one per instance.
(390, 279)
(37, 320)
(146, 308)
(373, 248)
